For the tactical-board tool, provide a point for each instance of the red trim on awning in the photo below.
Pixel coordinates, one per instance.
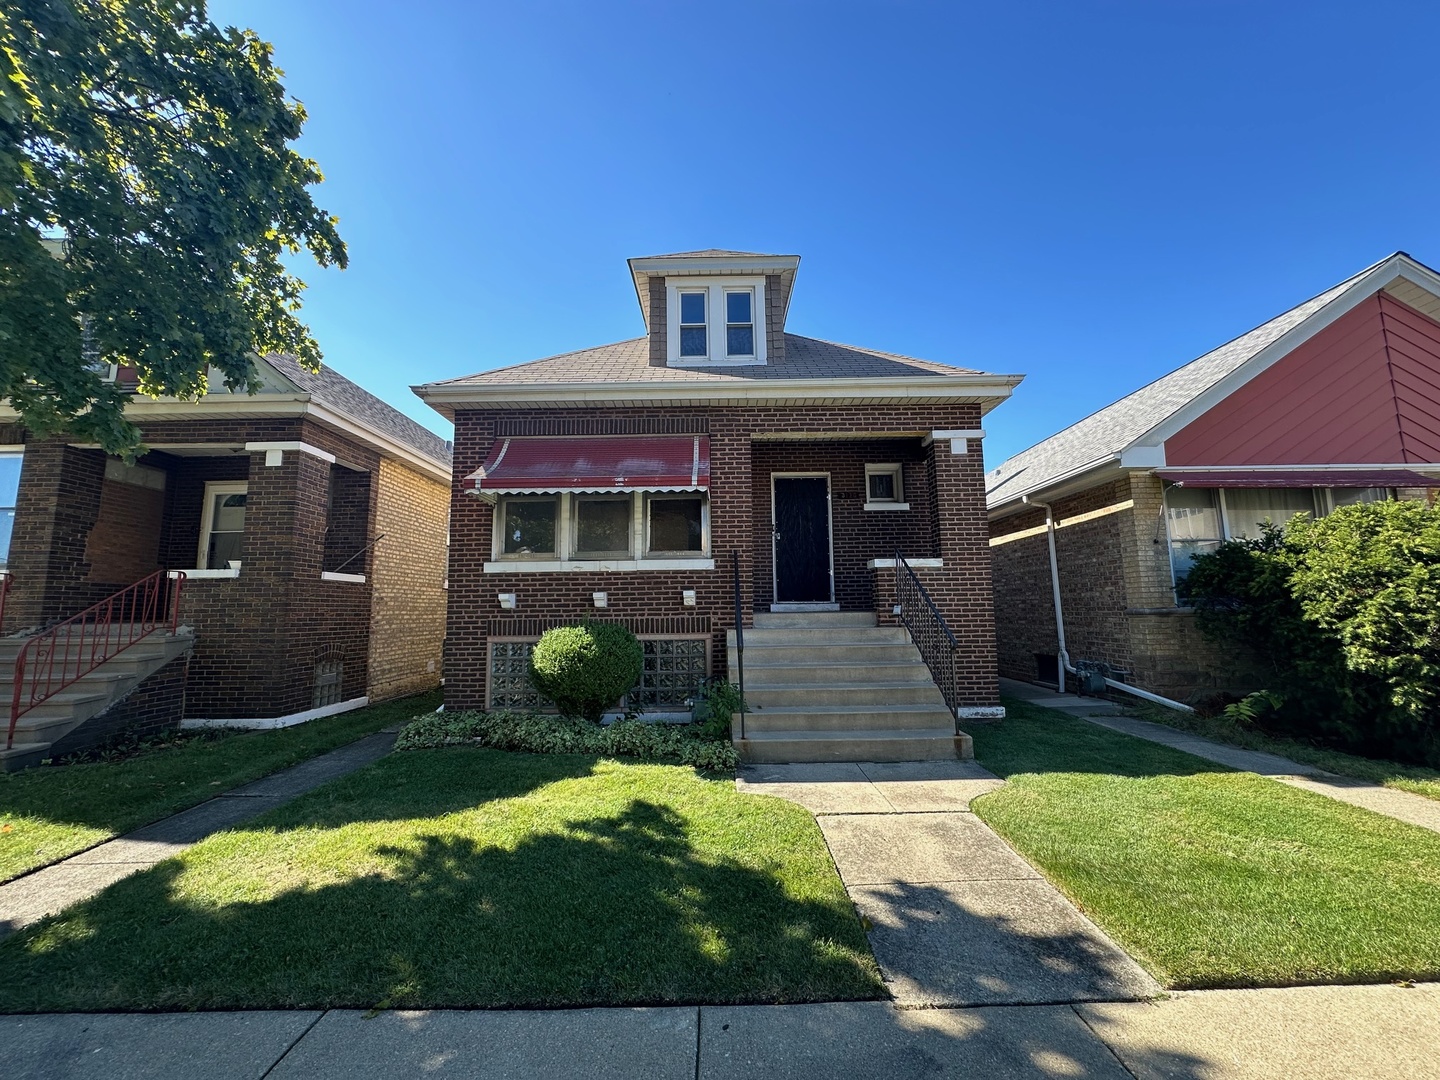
(1298, 478)
(535, 465)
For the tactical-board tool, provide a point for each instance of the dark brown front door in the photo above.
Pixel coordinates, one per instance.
(802, 539)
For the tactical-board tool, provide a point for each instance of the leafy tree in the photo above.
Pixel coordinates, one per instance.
(148, 184)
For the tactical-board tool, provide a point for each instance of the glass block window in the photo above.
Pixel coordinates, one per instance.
(329, 683)
(673, 672)
(510, 676)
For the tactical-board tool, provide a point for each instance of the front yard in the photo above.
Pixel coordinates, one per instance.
(469, 877)
(52, 812)
(1212, 878)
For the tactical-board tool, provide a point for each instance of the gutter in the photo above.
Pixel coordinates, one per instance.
(1066, 667)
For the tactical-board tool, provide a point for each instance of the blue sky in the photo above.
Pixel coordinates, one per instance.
(1088, 193)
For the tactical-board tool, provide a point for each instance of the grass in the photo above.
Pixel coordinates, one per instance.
(1209, 877)
(469, 877)
(1416, 779)
(49, 813)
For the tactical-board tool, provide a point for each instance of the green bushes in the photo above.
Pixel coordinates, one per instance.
(1344, 614)
(718, 702)
(539, 734)
(586, 669)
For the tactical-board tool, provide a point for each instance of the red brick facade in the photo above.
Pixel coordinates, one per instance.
(747, 444)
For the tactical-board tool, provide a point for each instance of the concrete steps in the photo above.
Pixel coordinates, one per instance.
(45, 724)
(835, 686)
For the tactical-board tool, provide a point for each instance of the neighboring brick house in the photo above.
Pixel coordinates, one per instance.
(308, 521)
(1335, 401)
(635, 481)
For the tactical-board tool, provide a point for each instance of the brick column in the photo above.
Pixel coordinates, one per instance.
(962, 588)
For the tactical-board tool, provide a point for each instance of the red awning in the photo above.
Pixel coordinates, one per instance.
(1297, 478)
(519, 466)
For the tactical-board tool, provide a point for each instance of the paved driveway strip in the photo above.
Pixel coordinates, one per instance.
(30, 898)
(954, 916)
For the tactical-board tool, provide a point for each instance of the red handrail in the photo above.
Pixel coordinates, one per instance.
(68, 651)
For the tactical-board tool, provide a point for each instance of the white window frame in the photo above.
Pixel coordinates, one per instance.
(715, 315)
(575, 499)
(566, 556)
(207, 513)
(681, 326)
(562, 525)
(896, 470)
(648, 497)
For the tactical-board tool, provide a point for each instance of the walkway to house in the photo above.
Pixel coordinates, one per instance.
(955, 918)
(30, 898)
(1400, 805)
(1318, 1032)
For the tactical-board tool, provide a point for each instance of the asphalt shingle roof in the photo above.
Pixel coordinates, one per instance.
(330, 388)
(629, 361)
(1102, 435)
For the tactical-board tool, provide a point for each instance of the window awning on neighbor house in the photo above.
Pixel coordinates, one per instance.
(1297, 478)
(540, 465)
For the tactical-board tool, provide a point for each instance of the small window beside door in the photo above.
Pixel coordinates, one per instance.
(10, 464)
(222, 525)
(884, 488)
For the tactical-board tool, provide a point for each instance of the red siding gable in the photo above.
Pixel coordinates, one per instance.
(1365, 390)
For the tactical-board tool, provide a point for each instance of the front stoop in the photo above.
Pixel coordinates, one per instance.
(835, 686)
(91, 695)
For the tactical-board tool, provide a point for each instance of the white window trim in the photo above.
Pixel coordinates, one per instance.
(207, 513)
(898, 471)
(715, 320)
(567, 558)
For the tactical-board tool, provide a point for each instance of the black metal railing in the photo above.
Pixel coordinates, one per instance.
(739, 638)
(934, 639)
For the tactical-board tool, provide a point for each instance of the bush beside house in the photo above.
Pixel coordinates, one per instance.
(1344, 613)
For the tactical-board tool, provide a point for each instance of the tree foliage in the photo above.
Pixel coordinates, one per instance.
(148, 184)
(1344, 613)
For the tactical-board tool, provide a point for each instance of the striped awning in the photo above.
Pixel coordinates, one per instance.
(540, 465)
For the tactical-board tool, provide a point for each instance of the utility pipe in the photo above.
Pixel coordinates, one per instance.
(1064, 658)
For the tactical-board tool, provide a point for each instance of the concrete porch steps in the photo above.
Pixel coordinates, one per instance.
(835, 686)
(42, 726)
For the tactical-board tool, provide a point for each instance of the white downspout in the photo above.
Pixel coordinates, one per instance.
(1064, 657)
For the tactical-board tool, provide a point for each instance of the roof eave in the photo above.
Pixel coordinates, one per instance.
(1080, 478)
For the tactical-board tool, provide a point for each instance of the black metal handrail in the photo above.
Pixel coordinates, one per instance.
(929, 632)
(739, 639)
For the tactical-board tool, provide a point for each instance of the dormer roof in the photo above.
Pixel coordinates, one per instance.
(712, 262)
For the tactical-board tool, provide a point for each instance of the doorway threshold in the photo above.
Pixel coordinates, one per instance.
(778, 608)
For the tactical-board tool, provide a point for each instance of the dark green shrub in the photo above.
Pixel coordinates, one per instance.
(586, 669)
(1343, 615)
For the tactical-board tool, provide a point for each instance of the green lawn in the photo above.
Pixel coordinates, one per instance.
(469, 877)
(52, 812)
(1413, 778)
(1212, 878)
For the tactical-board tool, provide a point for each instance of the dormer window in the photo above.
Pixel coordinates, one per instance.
(693, 336)
(714, 321)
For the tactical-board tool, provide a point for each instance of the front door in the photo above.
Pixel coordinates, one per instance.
(801, 514)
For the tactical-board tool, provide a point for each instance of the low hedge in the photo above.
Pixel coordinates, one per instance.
(537, 733)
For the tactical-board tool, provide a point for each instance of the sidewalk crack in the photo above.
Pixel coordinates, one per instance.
(296, 1042)
(1091, 1028)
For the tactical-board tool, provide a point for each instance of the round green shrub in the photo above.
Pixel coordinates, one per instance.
(586, 669)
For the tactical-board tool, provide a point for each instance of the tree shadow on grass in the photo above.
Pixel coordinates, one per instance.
(618, 909)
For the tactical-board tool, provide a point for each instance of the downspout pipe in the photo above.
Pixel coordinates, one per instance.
(1065, 666)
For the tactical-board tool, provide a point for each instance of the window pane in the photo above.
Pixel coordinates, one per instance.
(229, 513)
(692, 307)
(1194, 514)
(602, 525)
(1349, 496)
(882, 487)
(675, 525)
(737, 307)
(740, 340)
(530, 527)
(9, 478)
(1247, 508)
(692, 341)
(224, 549)
(1184, 552)
(7, 526)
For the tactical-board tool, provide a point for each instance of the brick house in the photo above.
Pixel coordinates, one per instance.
(308, 521)
(1335, 401)
(640, 481)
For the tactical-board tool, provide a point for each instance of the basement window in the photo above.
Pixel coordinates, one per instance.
(329, 683)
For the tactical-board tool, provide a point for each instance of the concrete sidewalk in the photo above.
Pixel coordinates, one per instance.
(1320, 1033)
(955, 917)
(1400, 805)
(30, 898)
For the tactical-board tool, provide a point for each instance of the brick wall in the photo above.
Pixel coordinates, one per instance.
(348, 521)
(156, 706)
(739, 531)
(123, 545)
(407, 623)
